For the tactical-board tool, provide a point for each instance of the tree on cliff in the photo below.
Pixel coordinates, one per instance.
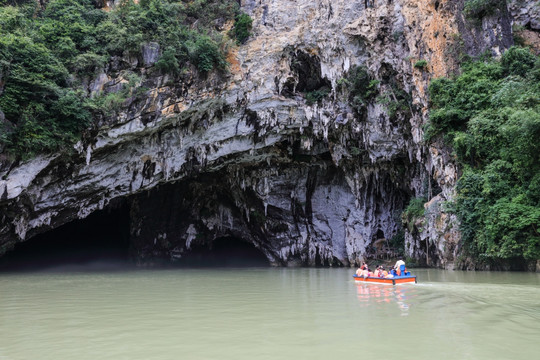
(490, 114)
(49, 54)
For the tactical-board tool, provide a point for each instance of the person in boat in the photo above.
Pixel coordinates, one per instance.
(398, 267)
(362, 270)
(384, 273)
(367, 272)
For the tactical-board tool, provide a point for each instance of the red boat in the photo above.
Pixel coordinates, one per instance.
(389, 281)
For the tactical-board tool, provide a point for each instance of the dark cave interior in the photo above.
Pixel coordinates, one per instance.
(101, 240)
(224, 252)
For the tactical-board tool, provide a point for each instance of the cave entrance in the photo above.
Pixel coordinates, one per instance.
(307, 76)
(224, 252)
(100, 241)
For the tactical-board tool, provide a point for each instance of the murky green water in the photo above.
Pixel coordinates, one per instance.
(267, 314)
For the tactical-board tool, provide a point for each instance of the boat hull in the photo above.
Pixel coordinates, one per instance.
(388, 281)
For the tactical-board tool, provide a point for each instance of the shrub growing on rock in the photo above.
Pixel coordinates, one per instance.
(242, 28)
(47, 53)
(361, 86)
(420, 64)
(477, 9)
(517, 61)
(490, 114)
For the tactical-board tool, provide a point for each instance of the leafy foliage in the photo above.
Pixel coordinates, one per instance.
(517, 61)
(414, 210)
(46, 54)
(361, 87)
(206, 54)
(37, 97)
(396, 100)
(315, 96)
(420, 64)
(477, 9)
(242, 27)
(491, 115)
(109, 103)
(455, 101)
(168, 63)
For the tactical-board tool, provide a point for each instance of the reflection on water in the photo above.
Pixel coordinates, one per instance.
(369, 294)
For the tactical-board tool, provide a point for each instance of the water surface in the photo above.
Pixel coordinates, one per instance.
(266, 313)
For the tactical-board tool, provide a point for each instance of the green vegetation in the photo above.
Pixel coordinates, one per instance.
(361, 87)
(396, 100)
(109, 103)
(413, 211)
(242, 28)
(48, 56)
(517, 33)
(355, 151)
(420, 64)
(315, 96)
(477, 9)
(491, 116)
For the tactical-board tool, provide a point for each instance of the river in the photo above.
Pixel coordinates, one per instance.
(266, 313)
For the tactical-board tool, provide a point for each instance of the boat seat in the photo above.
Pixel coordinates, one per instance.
(402, 270)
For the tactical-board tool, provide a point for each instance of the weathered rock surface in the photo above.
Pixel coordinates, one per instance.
(525, 13)
(526, 16)
(244, 154)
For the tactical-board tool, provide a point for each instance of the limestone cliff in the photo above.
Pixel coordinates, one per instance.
(247, 154)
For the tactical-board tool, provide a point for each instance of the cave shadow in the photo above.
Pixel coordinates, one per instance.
(98, 242)
(230, 252)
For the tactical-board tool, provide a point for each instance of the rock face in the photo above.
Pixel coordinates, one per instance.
(526, 16)
(525, 13)
(247, 154)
